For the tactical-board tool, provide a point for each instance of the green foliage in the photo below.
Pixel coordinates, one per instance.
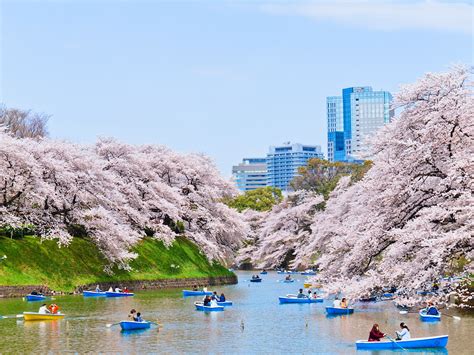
(322, 176)
(17, 232)
(31, 261)
(262, 199)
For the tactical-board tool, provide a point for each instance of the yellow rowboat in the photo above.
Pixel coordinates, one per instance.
(40, 316)
(307, 285)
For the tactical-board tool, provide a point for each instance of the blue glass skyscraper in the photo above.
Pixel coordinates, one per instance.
(352, 118)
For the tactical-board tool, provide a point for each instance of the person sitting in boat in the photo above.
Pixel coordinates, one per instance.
(132, 314)
(301, 294)
(288, 278)
(35, 293)
(110, 289)
(44, 309)
(309, 293)
(215, 296)
(213, 303)
(432, 310)
(207, 301)
(336, 303)
(255, 277)
(126, 290)
(404, 333)
(117, 289)
(343, 303)
(138, 317)
(195, 288)
(222, 298)
(375, 333)
(97, 289)
(53, 308)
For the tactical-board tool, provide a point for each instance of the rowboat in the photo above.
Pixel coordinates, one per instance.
(119, 294)
(94, 293)
(428, 317)
(263, 272)
(429, 342)
(307, 285)
(225, 303)
(308, 272)
(132, 325)
(289, 281)
(295, 299)
(256, 280)
(196, 293)
(338, 310)
(35, 297)
(201, 307)
(41, 316)
(368, 299)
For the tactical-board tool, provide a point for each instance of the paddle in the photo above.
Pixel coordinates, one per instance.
(12, 316)
(393, 341)
(110, 325)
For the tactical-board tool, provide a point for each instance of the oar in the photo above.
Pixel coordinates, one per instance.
(109, 325)
(12, 316)
(393, 341)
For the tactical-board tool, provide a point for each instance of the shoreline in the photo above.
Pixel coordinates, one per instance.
(134, 285)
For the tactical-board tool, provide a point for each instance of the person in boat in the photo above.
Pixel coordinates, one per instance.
(375, 334)
(126, 290)
(222, 298)
(195, 288)
(138, 317)
(215, 296)
(117, 289)
(44, 309)
(309, 293)
(97, 289)
(301, 294)
(207, 301)
(431, 310)
(288, 278)
(336, 303)
(213, 303)
(403, 333)
(110, 289)
(35, 293)
(53, 308)
(343, 303)
(255, 277)
(132, 314)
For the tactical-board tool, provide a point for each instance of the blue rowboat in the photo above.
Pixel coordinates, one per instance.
(130, 325)
(368, 299)
(295, 299)
(187, 293)
(289, 281)
(308, 273)
(201, 307)
(429, 342)
(281, 272)
(428, 317)
(263, 272)
(225, 303)
(119, 294)
(94, 293)
(35, 297)
(337, 310)
(256, 280)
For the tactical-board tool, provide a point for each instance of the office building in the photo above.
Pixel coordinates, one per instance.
(353, 118)
(250, 174)
(283, 162)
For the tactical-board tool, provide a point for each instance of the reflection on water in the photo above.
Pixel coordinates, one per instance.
(256, 323)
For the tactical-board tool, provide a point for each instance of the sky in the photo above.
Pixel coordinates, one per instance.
(223, 78)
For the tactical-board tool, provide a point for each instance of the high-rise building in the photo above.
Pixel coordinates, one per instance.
(250, 174)
(283, 162)
(352, 118)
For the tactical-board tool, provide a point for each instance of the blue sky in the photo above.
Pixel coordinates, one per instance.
(223, 78)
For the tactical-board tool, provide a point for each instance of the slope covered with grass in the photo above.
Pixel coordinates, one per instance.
(31, 261)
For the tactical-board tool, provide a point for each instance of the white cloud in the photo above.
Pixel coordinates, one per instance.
(385, 15)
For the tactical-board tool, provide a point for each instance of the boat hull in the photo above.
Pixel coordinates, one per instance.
(225, 303)
(128, 325)
(429, 318)
(119, 294)
(30, 316)
(201, 307)
(417, 343)
(94, 294)
(299, 300)
(255, 280)
(338, 311)
(263, 273)
(308, 273)
(288, 281)
(187, 293)
(32, 298)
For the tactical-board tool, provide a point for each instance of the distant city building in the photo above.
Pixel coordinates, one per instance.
(353, 117)
(250, 174)
(283, 162)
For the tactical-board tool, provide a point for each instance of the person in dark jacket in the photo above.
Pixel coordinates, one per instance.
(375, 333)
(222, 298)
(207, 301)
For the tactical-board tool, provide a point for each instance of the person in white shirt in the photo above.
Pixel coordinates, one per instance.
(43, 309)
(337, 303)
(404, 333)
(214, 303)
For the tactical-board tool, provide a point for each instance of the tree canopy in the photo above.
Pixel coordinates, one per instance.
(261, 199)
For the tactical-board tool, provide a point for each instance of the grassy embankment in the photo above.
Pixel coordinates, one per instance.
(32, 262)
